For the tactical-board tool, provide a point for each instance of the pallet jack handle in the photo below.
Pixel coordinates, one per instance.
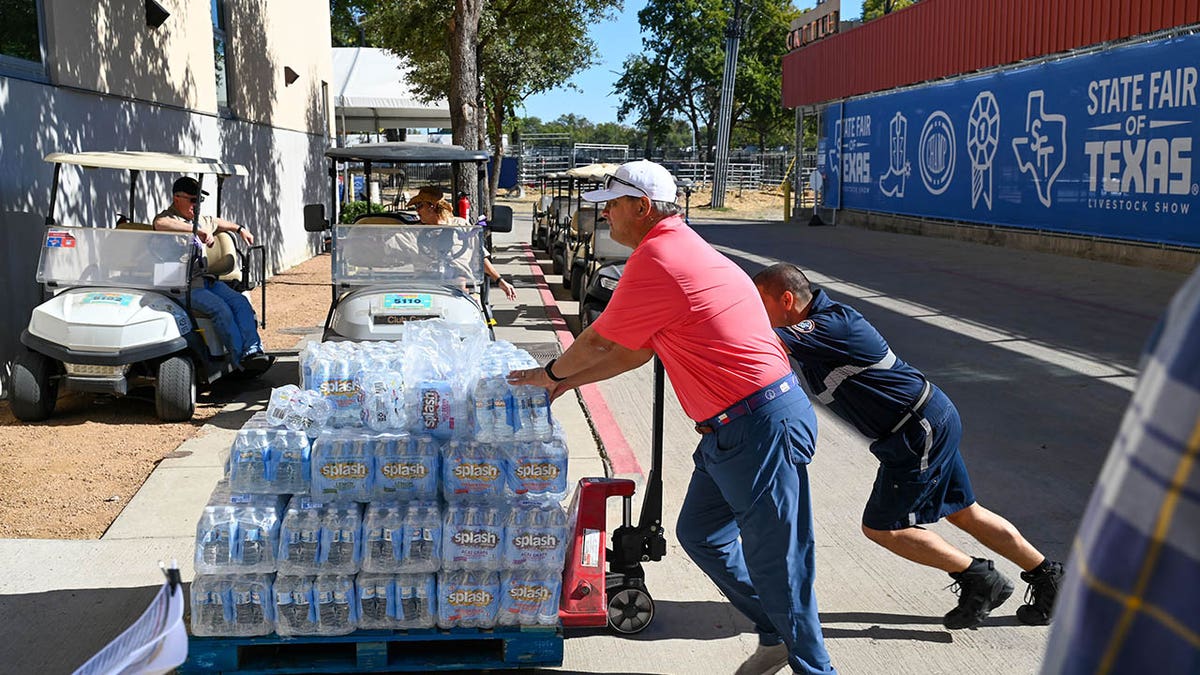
(652, 505)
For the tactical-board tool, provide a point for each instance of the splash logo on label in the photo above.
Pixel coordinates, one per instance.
(431, 401)
(465, 598)
(529, 593)
(404, 471)
(536, 542)
(476, 538)
(476, 472)
(540, 471)
(1142, 161)
(336, 470)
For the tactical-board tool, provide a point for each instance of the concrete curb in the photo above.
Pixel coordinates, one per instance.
(614, 448)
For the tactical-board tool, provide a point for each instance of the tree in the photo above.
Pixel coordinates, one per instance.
(873, 9)
(522, 47)
(344, 19)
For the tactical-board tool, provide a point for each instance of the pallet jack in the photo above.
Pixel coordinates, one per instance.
(592, 597)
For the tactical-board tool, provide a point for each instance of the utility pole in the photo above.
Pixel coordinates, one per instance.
(733, 35)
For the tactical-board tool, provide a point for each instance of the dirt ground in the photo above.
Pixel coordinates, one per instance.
(69, 477)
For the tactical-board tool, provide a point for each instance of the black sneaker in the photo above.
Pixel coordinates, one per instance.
(1040, 596)
(980, 590)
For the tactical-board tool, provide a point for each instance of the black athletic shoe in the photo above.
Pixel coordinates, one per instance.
(980, 590)
(257, 363)
(1040, 596)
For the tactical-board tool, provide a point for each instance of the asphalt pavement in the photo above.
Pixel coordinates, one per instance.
(1039, 353)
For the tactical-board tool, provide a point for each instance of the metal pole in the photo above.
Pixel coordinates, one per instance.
(733, 34)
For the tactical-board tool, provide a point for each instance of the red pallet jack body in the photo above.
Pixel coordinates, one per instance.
(603, 585)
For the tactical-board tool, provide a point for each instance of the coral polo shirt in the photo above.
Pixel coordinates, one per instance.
(700, 314)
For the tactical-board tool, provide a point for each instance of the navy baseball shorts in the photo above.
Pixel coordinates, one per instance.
(921, 477)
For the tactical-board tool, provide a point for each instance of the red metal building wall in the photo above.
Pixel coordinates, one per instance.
(939, 38)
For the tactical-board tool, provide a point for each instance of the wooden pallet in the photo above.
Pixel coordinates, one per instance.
(379, 651)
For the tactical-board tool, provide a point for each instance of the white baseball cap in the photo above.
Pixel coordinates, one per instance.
(642, 178)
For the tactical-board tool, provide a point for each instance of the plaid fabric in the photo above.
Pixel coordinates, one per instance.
(1130, 602)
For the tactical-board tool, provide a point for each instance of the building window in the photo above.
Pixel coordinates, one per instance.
(220, 53)
(21, 38)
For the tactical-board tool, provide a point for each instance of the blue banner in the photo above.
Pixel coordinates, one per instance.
(1099, 144)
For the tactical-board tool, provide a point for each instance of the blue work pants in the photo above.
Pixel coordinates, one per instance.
(232, 316)
(747, 523)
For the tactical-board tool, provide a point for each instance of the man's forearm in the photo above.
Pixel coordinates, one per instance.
(589, 350)
(619, 363)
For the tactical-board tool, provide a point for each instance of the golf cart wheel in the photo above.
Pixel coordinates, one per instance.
(175, 390)
(576, 282)
(588, 313)
(630, 609)
(34, 389)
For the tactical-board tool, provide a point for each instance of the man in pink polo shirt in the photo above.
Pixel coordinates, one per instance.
(747, 518)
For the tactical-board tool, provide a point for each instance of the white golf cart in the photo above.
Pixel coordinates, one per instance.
(388, 268)
(118, 311)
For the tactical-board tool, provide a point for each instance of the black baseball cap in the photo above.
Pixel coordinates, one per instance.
(187, 185)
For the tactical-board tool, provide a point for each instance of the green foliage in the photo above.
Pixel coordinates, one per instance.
(679, 74)
(19, 30)
(352, 210)
(873, 9)
(344, 18)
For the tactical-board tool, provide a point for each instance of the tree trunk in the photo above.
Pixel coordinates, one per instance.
(464, 88)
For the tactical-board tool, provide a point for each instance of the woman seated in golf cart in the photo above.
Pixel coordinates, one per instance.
(433, 209)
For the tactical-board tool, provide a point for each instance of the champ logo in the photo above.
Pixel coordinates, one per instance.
(936, 152)
(486, 472)
(536, 542)
(476, 538)
(529, 593)
(405, 470)
(336, 470)
(465, 598)
(537, 471)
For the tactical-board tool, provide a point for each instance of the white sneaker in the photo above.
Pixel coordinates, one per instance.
(765, 660)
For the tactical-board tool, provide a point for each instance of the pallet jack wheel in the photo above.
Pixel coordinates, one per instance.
(630, 609)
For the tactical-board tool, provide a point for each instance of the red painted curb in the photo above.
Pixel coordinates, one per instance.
(620, 455)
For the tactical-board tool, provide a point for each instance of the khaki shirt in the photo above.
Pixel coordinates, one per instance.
(206, 223)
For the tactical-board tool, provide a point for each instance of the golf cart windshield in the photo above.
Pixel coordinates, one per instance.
(86, 256)
(366, 254)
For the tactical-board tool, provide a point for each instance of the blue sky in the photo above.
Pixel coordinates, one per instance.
(615, 40)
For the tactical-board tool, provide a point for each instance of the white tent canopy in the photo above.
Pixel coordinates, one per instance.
(371, 92)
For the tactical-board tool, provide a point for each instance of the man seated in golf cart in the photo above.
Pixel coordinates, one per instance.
(231, 312)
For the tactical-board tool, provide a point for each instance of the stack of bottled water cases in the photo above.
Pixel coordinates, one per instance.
(405, 486)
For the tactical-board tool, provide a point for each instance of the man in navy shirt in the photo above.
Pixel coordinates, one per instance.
(915, 432)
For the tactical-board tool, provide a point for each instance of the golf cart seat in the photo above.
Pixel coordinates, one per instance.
(221, 259)
(583, 222)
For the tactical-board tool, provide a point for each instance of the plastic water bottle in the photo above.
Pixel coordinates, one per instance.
(291, 464)
(473, 538)
(468, 599)
(533, 408)
(342, 466)
(538, 470)
(216, 536)
(529, 597)
(280, 403)
(295, 607)
(341, 539)
(248, 460)
(383, 536)
(405, 468)
(535, 537)
(209, 600)
(436, 409)
(376, 601)
(422, 540)
(417, 596)
(485, 424)
(253, 609)
(473, 472)
(299, 538)
(336, 607)
(257, 537)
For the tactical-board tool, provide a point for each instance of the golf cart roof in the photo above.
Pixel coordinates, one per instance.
(148, 161)
(406, 152)
(593, 172)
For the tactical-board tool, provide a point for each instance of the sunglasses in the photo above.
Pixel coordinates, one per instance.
(611, 179)
(195, 199)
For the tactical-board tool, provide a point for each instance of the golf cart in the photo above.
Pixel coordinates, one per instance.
(388, 268)
(118, 308)
(580, 234)
(539, 235)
